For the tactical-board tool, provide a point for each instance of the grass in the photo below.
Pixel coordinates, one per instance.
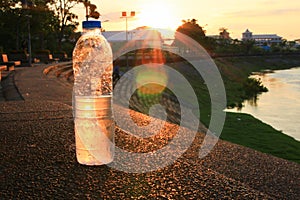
(241, 128)
(248, 131)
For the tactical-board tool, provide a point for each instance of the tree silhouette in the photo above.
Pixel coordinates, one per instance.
(67, 19)
(91, 10)
(51, 22)
(93, 13)
(192, 29)
(15, 21)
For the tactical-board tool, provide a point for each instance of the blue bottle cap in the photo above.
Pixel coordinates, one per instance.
(91, 24)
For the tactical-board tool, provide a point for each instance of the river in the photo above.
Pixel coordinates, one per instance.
(280, 106)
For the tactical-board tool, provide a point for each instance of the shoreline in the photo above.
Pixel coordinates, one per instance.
(247, 130)
(240, 112)
(249, 109)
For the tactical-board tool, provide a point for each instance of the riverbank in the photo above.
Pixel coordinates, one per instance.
(244, 129)
(239, 128)
(280, 106)
(235, 70)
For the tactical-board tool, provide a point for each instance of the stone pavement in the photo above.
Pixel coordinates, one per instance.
(38, 156)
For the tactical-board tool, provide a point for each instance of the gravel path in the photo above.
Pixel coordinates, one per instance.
(38, 157)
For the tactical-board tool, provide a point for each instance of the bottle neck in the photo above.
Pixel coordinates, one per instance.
(91, 31)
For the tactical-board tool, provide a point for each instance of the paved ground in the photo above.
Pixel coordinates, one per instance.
(38, 155)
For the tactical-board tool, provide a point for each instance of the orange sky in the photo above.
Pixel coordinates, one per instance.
(260, 16)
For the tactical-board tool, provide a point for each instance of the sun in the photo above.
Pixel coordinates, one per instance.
(158, 15)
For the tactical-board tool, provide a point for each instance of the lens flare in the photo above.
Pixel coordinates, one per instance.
(152, 80)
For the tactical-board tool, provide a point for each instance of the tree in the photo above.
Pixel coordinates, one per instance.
(283, 45)
(67, 19)
(13, 23)
(45, 26)
(8, 30)
(51, 23)
(248, 46)
(90, 10)
(192, 29)
(43, 23)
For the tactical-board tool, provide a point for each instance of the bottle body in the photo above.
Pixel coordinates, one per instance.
(92, 99)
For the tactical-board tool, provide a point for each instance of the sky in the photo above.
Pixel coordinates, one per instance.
(281, 17)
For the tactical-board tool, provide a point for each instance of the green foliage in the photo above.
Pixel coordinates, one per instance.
(275, 48)
(47, 29)
(247, 46)
(67, 19)
(8, 30)
(253, 87)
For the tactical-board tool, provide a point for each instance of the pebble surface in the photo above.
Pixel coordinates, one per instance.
(38, 157)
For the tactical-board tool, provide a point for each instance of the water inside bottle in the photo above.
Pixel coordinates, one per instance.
(94, 130)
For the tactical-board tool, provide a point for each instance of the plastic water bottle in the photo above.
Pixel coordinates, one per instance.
(92, 97)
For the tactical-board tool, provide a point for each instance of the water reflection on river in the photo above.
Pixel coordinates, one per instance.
(280, 107)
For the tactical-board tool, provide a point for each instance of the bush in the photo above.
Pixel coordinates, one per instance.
(253, 87)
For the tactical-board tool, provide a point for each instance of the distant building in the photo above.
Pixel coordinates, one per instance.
(262, 39)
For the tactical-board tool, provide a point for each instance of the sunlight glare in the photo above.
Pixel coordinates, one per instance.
(158, 15)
